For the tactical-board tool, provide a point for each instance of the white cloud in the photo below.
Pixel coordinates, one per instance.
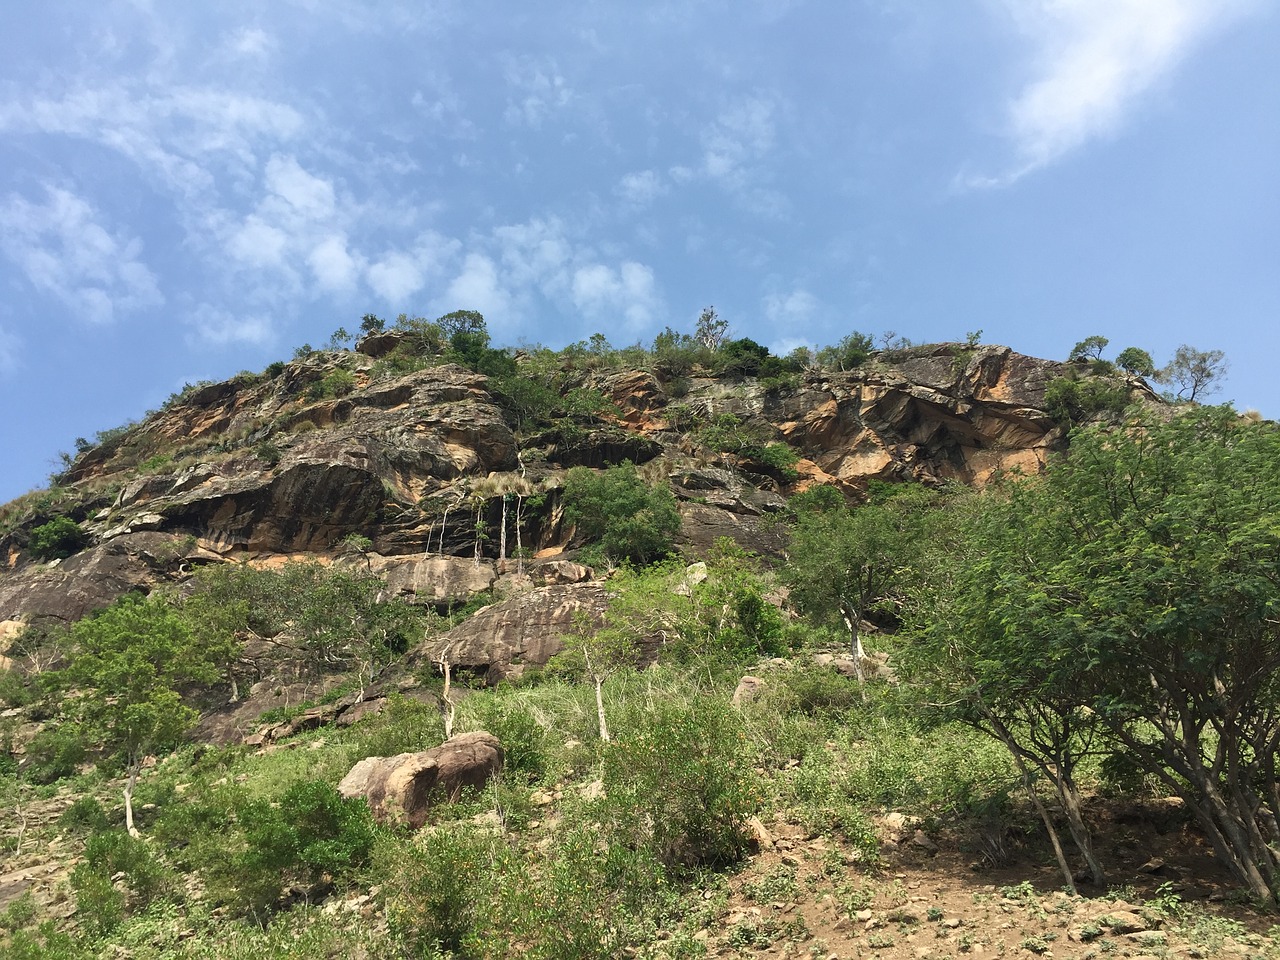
(334, 268)
(258, 243)
(538, 90)
(536, 253)
(627, 293)
(740, 137)
(309, 196)
(399, 274)
(791, 309)
(479, 287)
(641, 188)
(8, 351)
(252, 43)
(65, 252)
(396, 277)
(1093, 59)
(220, 327)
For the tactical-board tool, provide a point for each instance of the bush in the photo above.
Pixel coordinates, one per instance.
(1069, 400)
(55, 752)
(313, 835)
(57, 539)
(631, 520)
(437, 890)
(103, 903)
(85, 814)
(337, 383)
(678, 785)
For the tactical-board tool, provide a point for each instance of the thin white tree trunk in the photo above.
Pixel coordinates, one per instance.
(129, 783)
(519, 536)
(502, 534)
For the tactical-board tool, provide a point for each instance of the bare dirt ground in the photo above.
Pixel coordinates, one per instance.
(976, 895)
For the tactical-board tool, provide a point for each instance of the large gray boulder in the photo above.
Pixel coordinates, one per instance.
(502, 640)
(402, 789)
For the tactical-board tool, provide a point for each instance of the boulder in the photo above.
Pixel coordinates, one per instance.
(402, 789)
(501, 640)
(434, 580)
(748, 689)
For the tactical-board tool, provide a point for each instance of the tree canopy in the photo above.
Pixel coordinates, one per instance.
(1135, 588)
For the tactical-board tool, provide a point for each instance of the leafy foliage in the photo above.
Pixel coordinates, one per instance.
(1136, 588)
(630, 519)
(1194, 373)
(1136, 361)
(57, 539)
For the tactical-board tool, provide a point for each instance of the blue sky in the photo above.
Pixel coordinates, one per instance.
(190, 190)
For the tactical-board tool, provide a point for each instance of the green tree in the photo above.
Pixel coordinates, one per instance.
(1139, 583)
(57, 539)
(1194, 373)
(127, 666)
(844, 565)
(962, 650)
(1137, 361)
(712, 329)
(371, 323)
(850, 353)
(630, 519)
(1090, 348)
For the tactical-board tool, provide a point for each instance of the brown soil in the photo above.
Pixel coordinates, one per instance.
(958, 894)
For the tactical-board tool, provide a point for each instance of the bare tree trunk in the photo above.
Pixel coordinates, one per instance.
(134, 769)
(519, 535)
(855, 644)
(502, 534)
(443, 524)
(598, 680)
(448, 709)
(1007, 739)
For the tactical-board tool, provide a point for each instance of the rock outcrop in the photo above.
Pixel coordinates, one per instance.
(501, 641)
(424, 468)
(402, 790)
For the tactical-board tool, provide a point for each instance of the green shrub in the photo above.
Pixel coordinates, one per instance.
(524, 741)
(312, 835)
(437, 891)
(337, 383)
(85, 815)
(101, 901)
(677, 785)
(57, 539)
(47, 942)
(630, 519)
(55, 752)
(403, 726)
(1069, 400)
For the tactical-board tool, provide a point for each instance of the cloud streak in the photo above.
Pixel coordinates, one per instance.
(1093, 61)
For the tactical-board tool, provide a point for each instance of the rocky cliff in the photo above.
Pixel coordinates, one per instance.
(400, 472)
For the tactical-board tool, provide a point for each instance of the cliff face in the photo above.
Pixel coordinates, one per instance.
(270, 468)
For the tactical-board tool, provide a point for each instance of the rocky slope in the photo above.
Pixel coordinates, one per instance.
(399, 472)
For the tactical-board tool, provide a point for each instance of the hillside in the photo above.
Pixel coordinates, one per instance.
(418, 544)
(277, 465)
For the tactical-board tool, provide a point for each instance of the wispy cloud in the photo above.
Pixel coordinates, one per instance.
(790, 309)
(65, 252)
(537, 91)
(219, 327)
(740, 136)
(8, 352)
(641, 188)
(1093, 60)
(627, 293)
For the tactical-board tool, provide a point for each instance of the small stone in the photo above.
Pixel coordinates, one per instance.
(863, 915)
